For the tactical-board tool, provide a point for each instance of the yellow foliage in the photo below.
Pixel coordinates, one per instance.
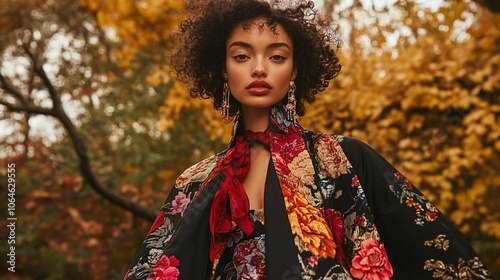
(434, 114)
(136, 25)
(179, 99)
(166, 174)
(158, 76)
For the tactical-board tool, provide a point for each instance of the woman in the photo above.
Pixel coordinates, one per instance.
(283, 202)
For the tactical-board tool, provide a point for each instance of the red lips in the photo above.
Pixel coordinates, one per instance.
(259, 87)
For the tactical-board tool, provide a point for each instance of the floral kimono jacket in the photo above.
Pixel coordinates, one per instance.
(333, 209)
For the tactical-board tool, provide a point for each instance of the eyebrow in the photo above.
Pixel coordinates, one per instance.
(247, 45)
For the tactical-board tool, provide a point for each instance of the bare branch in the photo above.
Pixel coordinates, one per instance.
(28, 109)
(42, 74)
(79, 143)
(85, 167)
(492, 5)
(11, 90)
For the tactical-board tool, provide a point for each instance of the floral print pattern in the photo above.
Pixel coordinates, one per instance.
(473, 269)
(249, 259)
(335, 223)
(440, 242)
(306, 224)
(180, 203)
(304, 171)
(371, 262)
(244, 256)
(165, 269)
(404, 190)
(196, 173)
(351, 214)
(304, 218)
(331, 160)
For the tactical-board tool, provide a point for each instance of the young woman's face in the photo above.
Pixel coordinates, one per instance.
(259, 65)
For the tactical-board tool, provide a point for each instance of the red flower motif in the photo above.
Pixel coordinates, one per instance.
(312, 261)
(331, 159)
(408, 185)
(359, 220)
(398, 175)
(249, 260)
(371, 262)
(431, 216)
(165, 269)
(355, 181)
(335, 223)
(180, 203)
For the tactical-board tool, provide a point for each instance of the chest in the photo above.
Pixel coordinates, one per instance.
(255, 180)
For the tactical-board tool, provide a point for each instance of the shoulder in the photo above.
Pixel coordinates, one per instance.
(361, 155)
(340, 154)
(353, 149)
(345, 143)
(198, 172)
(351, 144)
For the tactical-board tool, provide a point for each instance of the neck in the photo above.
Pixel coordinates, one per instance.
(256, 119)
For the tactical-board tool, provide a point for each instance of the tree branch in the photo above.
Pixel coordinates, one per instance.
(78, 142)
(56, 102)
(85, 167)
(492, 5)
(28, 109)
(11, 90)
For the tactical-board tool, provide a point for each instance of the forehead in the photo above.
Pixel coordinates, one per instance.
(259, 30)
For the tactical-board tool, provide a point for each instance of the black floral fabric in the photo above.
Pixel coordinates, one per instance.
(337, 208)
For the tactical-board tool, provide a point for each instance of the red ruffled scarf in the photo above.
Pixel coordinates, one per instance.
(230, 207)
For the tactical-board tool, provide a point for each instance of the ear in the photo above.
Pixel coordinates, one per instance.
(294, 73)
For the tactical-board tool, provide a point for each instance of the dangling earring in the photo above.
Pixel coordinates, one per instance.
(292, 103)
(225, 102)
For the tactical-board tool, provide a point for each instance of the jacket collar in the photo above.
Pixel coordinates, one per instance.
(277, 122)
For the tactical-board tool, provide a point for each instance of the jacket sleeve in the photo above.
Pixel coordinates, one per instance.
(151, 249)
(421, 242)
(169, 218)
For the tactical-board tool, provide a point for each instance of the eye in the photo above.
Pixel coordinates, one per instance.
(278, 57)
(240, 57)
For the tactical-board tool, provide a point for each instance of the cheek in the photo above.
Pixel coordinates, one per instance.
(234, 73)
(284, 77)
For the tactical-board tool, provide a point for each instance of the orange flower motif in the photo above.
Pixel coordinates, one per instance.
(304, 218)
(308, 225)
(418, 207)
(431, 216)
(410, 202)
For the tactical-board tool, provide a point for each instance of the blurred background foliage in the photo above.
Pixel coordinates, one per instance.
(99, 129)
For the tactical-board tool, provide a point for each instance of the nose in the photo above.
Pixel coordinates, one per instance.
(259, 69)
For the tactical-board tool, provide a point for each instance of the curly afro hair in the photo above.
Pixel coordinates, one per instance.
(201, 54)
